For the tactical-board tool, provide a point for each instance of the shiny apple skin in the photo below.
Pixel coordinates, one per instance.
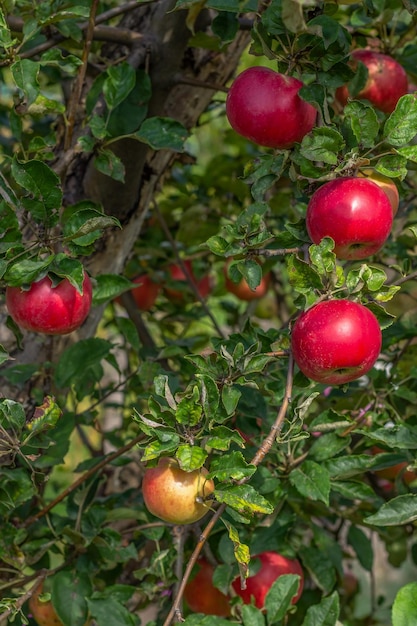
(336, 341)
(387, 80)
(273, 565)
(50, 310)
(171, 493)
(386, 184)
(202, 596)
(355, 212)
(264, 106)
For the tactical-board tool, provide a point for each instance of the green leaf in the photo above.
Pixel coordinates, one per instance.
(54, 58)
(110, 611)
(230, 398)
(393, 166)
(372, 277)
(189, 410)
(16, 487)
(119, 82)
(396, 512)
(312, 481)
(69, 592)
(326, 613)
(303, 278)
(362, 546)
(190, 457)
(109, 286)
(25, 73)
(404, 609)
(244, 499)
(231, 466)
(45, 416)
(401, 126)
(241, 550)
(251, 616)
(162, 133)
(109, 164)
(221, 438)
(322, 144)
(364, 122)
(78, 358)
(26, 272)
(279, 597)
(403, 436)
(12, 415)
(44, 186)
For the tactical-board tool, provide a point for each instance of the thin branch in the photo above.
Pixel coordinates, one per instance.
(111, 457)
(79, 82)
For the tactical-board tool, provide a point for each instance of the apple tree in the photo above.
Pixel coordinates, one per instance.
(208, 339)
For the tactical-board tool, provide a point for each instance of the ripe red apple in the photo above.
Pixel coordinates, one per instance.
(273, 565)
(336, 341)
(202, 596)
(387, 80)
(44, 613)
(355, 212)
(146, 293)
(242, 290)
(391, 473)
(177, 274)
(174, 495)
(264, 106)
(51, 310)
(386, 184)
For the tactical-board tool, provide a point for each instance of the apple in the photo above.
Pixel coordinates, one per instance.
(202, 596)
(391, 473)
(387, 80)
(242, 290)
(146, 293)
(174, 495)
(336, 341)
(350, 584)
(44, 613)
(52, 310)
(264, 106)
(273, 565)
(386, 184)
(177, 274)
(355, 212)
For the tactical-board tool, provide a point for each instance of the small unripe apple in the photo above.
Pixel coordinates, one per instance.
(387, 80)
(336, 341)
(50, 310)
(273, 565)
(264, 106)
(174, 495)
(355, 212)
(202, 596)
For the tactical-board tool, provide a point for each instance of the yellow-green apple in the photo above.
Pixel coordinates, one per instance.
(355, 212)
(387, 80)
(174, 495)
(50, 309)
(202, 596)
(264, 106)
(272, 566)
(336, 341)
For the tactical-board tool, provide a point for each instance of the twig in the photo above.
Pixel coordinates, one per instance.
(111, 457)
(79, 82)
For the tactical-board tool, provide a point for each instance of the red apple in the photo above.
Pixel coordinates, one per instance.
(51, 310)
(273, 565)
(355, 212)
(336, 341)
(44, 613)
(146, 293)
(174, 495)
(264, 106)
(177, 274)
(202, 596)
(387, 80)
(391, 473)
(242, 290)
(386, 184)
